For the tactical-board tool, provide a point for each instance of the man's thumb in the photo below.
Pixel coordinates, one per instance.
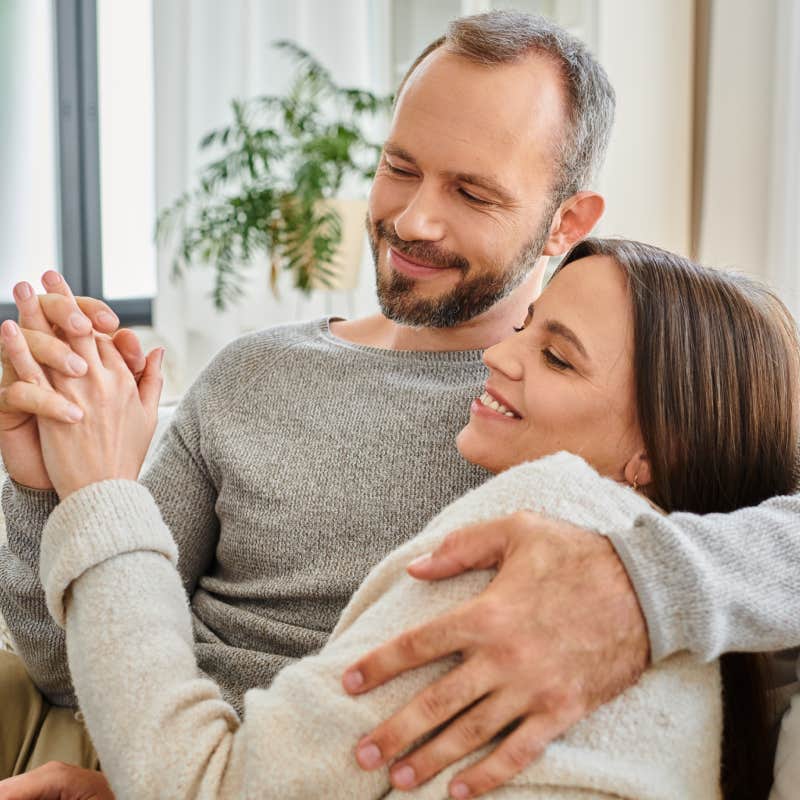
(477, 547)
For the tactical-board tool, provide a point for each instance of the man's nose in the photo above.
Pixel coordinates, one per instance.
(423, 217)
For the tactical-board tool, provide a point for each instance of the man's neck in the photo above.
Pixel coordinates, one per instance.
(476, 334)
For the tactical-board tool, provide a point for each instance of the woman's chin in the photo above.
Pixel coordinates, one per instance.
(477, 450)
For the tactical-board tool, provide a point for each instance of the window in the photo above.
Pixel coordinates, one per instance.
(79, 150)
(29, 225)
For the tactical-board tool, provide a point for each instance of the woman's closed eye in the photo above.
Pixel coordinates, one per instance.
(554, 361)
(526, 321)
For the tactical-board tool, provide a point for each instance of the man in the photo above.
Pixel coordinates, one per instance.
(304, 454)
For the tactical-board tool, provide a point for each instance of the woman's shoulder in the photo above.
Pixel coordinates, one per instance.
(561, 485)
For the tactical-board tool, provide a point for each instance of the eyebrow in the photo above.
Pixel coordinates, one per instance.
(483, 181)
(559, 329)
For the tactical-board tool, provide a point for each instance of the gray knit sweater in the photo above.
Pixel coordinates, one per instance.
(297, 461)
(294, 464)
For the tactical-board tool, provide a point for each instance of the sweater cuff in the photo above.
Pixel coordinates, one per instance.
(641, 557)
(98, 522)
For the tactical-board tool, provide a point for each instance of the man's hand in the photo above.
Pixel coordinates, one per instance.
(57, 781)
(557, 633)
(47, 324)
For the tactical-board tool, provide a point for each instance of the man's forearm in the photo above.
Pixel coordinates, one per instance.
(38, 640)
(720, 582)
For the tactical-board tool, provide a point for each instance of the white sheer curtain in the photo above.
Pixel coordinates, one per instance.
(751, 206)
(206, 54)
(783, 240)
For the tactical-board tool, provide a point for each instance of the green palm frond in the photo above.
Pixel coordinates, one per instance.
(271, 168)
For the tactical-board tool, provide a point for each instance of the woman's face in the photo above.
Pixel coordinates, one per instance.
(565, 380)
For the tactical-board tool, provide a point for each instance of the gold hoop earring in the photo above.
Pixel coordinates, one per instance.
(636, 482)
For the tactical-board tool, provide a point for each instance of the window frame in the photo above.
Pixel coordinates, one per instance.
(80, 231)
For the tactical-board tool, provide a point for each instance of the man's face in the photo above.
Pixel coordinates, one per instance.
(461, 202)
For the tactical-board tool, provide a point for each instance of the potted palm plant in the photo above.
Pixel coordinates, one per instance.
(273, 186)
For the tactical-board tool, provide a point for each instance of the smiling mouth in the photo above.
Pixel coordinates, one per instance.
(415, 269)
(490, 402)
(398, 254)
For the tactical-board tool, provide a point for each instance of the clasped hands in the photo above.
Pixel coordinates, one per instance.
(558, 632)
(76, 405)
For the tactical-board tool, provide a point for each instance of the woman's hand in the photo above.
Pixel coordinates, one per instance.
(119, 420)
(119, 416)
(45, 322)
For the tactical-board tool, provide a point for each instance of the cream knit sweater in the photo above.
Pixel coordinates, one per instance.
(162, 730)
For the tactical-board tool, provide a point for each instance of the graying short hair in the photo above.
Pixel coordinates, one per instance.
(507, 37)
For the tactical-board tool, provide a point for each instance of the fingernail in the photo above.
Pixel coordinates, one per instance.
(78, 321)
(76, 364)
(420, 560)
(353, 680)
(51, 278)
(459, 791)
(10, 328)
(23, 290)
(369, 756)
(404, 777)
(161, 357)
(73, 413)
(107, 319)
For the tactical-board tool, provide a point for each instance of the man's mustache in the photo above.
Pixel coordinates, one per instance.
(421, 251)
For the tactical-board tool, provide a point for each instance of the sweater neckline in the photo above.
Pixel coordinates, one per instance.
(423, 356)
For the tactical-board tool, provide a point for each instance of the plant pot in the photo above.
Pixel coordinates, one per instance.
(350, 252)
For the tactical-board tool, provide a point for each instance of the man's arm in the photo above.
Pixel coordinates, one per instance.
(707, 584)
(186, 499)
(180, 482)
(717, 583)
(37, 640)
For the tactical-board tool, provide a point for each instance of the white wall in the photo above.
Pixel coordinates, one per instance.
(735, 222)
(647, 49)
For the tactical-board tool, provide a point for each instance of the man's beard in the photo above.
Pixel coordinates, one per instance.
(470, 297)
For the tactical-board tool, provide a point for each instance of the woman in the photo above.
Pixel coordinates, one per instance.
(675, 385)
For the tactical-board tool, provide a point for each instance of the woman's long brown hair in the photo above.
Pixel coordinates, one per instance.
(716, 364)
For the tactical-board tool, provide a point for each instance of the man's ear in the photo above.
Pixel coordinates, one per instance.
(638, 471)
(573, 221)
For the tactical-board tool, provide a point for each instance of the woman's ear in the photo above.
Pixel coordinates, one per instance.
(573, 221)
(637, 470)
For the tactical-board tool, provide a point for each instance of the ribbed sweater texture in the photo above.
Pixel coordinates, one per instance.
(162, 730)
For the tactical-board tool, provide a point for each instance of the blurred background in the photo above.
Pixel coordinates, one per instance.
(103, 104)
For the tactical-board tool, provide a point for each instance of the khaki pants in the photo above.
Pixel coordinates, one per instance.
(32, 731)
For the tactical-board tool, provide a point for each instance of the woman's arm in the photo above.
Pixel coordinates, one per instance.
(181, 485)
(162, 729)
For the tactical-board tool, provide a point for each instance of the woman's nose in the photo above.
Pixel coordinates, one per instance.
(504, 357)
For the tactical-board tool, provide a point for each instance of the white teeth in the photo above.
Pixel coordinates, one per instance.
(489, 401)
